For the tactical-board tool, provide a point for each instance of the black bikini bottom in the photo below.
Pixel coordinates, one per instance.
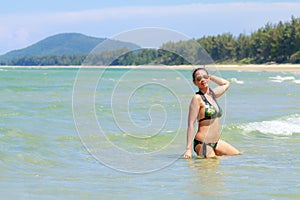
(213, 145)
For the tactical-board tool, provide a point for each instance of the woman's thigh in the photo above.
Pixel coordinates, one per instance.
(224, 148)
(210, 153)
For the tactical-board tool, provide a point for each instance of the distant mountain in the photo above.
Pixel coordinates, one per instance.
(64, 44)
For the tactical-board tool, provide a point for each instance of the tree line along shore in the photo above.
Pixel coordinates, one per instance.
(274, 43)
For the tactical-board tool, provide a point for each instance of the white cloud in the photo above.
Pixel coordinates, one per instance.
(195, 20)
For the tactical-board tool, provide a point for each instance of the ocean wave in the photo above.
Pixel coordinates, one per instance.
(280, 79)
(234, 80)
(297, 81)
(285, 126)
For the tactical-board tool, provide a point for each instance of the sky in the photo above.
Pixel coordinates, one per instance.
(23, 23)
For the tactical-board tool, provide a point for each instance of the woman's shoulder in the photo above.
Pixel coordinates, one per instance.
(197, 96)
(197, 99)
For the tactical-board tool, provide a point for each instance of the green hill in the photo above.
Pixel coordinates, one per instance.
(63, 44)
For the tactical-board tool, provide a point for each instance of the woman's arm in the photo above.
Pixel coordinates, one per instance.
(193, 114)
(223, 85)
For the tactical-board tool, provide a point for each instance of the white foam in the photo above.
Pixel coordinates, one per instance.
(285, 126)
(234, 80)
(297, 81)
(280, 79)
(277, 81)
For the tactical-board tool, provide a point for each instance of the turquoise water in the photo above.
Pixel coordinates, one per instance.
(141, 120)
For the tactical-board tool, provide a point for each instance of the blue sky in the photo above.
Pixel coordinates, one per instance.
(23, 23)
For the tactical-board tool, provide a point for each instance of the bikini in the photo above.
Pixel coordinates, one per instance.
(210, 113)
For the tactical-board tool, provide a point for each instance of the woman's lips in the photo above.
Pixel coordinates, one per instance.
(203, 83)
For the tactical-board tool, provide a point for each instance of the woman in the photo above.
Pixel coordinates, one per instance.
(205, 109)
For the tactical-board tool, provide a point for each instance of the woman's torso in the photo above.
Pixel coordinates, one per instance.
(208, 129)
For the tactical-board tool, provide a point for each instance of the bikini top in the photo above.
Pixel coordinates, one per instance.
(210, 111)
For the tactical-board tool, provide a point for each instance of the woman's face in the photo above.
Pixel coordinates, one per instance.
(201, 79)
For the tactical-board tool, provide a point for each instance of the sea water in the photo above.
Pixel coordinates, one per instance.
(49, 152)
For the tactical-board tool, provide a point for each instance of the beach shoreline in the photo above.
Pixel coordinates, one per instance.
(249, 67)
